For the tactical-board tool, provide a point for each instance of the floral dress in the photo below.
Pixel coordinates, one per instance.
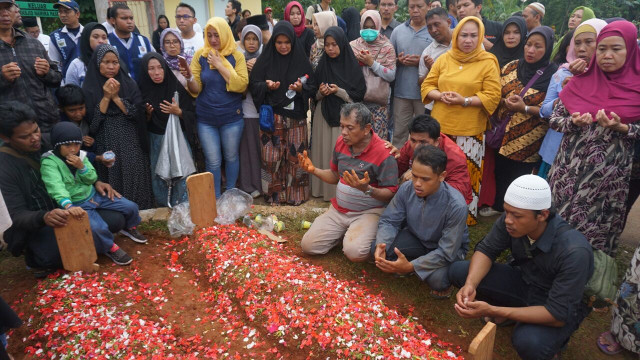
(625, 323)
(590, 177)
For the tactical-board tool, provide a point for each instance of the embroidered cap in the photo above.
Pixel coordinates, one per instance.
(69, 4)
(538, 7)
(529, 192)
(65, 132)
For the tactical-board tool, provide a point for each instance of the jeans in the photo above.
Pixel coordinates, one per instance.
(102, 236)
(503, 286)
(218, 141)
(159, 186)
(412, 249)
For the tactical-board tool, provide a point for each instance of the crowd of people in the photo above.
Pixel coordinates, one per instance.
(411, 129)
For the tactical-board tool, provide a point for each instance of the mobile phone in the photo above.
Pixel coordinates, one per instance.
(183, 62)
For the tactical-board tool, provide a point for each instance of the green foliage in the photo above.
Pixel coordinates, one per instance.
(500, 10)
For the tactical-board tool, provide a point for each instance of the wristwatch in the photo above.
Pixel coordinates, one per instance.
(369, 191)
(467, 101)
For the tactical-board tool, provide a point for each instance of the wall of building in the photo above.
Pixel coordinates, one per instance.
(209, 7)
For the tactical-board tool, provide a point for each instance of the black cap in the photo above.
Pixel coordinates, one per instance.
(259, 21)
(29, 22)
(7, 1)
(65, 132)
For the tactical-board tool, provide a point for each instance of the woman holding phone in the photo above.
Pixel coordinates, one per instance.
(172, 48)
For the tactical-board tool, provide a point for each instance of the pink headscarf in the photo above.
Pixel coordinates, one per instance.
(299, 29)
(596, 24)
(617, 91)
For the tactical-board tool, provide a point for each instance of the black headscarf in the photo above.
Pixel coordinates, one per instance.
(154, 94)
(504, 54)
(526, 71)
(92, 88)
(351, 17)
(343, 71)
(286, 69)
(85, 45)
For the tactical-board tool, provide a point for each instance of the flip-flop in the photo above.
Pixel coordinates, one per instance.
(610, 343)
(504, 323)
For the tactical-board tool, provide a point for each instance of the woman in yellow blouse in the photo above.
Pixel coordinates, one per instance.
(217, 78)
(465, 85)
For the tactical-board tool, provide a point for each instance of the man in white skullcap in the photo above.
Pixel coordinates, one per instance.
(541, 289)
(533, 15)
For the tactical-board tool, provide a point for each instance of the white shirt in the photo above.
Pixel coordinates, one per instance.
(54, 54)
(434, 50)
(76, 72)
(107, 25)
(194, 44)
(45, 40)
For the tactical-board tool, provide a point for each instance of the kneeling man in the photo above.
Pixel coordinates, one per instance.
(435, 234)
(542, 291)
(367, 178)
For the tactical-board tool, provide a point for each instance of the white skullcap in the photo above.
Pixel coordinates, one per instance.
(530, 192)
(538, 7)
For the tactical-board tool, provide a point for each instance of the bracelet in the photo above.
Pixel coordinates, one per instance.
(190, 79)
(526, 109)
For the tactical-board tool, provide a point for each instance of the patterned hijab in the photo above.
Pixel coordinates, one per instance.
(381, 48)
(617, 91)
(173, 62)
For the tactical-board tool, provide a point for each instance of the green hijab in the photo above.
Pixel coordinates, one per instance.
(587, 14)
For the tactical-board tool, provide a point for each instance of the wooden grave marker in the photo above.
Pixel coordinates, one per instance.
(75, 242)
(481, 347)
(202, 199)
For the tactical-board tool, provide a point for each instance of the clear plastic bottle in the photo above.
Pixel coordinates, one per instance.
(291, 93)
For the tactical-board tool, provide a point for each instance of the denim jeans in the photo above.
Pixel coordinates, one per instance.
(159, 186)
(102, 236)
(219, 141)
(503, 286)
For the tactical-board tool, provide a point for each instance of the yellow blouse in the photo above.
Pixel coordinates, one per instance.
(480, 78)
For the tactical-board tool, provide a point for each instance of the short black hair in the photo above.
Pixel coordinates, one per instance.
(29, 22)
(439, 11)
(362, 114)
(425, 124)
(109, 14)
(375, 2)
(244, 11)
(477, 2)
(552, 212)
(12, 114)
(70, 95)
(240, 26)
(429, 155)
(185, 5)
(451, 2)
(561, 56)
(116, 7)
(517, 13)
(237, 6)
(395, 1)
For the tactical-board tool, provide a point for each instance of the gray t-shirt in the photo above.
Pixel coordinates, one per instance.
(410, 42)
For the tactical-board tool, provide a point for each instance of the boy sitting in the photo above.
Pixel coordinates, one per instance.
(72, 108)
(69, 177)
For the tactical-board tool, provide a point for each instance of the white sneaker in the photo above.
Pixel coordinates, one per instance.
(489, 211)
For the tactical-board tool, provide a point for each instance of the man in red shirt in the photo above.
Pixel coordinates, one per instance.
(367, 179)
(425, 129)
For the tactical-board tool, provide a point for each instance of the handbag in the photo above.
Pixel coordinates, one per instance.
(494, 136)
(267, 122)
(601, 286)
(378, 89)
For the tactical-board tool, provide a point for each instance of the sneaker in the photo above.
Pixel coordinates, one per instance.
(489, 211)
(134, 235)
(119, 257)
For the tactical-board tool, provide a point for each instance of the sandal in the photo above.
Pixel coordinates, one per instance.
(608, 344)
(503, 323)
(447, 294)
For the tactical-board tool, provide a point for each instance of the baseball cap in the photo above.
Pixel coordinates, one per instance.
(69, 4)
(7, 1)
(267, 9)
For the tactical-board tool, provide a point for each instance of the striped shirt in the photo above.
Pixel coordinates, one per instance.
(374, 159)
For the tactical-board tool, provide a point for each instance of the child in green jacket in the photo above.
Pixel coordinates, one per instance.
(69, 178)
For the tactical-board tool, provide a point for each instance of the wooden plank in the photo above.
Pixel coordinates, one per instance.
(481, 347)
(75, 242)
(202, 199)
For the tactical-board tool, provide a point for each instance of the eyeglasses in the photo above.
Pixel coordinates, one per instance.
(171, 43)
(185, 17)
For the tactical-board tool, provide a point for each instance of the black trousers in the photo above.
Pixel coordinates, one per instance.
(506, 171)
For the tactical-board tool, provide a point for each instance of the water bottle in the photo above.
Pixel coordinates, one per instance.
(291, 93)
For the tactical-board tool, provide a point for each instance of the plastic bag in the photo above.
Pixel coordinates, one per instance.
(232, 205)
(179, 222)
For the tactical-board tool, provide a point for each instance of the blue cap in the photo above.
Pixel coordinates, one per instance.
(69, 4)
